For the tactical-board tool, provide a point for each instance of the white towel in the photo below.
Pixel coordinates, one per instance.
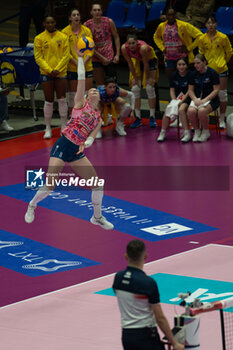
(202, 105)
(172, 109)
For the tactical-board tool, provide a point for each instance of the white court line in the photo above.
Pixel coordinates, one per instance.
(221, 245)
(112, 274)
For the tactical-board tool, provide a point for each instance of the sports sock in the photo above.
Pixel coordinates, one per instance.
(152, 112)
(63, 110)
(48, 113)
(41, 194)
(97, 197)
(138, 113)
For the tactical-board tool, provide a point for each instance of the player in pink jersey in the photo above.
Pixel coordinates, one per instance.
(80, 133)
(136, 52)
(104, 33)
(176, 39)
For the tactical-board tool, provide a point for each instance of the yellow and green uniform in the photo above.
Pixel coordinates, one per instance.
(217, 51)
(73, 39)
(187, 33)
(51, 51)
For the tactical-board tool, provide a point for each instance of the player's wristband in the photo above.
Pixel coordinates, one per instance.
(89, 141)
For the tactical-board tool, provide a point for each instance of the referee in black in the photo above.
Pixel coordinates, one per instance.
(139, 303)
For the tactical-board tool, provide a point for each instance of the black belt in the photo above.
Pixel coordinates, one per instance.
(141, 330)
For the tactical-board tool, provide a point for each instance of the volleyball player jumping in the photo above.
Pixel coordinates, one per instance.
(79, 133)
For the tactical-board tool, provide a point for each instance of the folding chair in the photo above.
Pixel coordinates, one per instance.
(155, 10)
(224, 17)
(116, 11)
(215, 115)
(136, 16)
(178, 127)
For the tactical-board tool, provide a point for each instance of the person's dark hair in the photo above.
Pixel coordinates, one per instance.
(170, 8)
(213, 19)
(201, 57)
(131, 36)
(49, 15)
(135, 249)
(96, 3)
(109, 80)
(185, 59)
(73, 9)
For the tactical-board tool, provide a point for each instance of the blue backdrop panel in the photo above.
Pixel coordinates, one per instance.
(23, 61)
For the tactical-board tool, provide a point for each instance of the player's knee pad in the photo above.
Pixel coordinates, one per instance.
(223, 95)
(125, 110)
(71, 99)
(136, 90)
(150, 90)
(62, 107)
(229, 125)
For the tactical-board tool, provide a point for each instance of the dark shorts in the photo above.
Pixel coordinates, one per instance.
(44, 78)
(187, 100)
(74, 75)
(214, 104)
(109, 70)
(153, 64)
(224, 74)
(141, 338)
(170, 64)
(66, 150)
(99, 64)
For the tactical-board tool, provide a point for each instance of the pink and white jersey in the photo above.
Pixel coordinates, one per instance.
(82, 122)
(172, 42)
(136, 54)
(102, 36)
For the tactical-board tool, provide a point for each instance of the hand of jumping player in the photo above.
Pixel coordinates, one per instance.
(81, 148)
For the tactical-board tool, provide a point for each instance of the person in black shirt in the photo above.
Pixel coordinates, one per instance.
(203, 90)
(30, 9)
(139, 303)
(179, 100)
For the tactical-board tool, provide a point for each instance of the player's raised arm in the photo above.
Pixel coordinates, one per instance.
(79, 99)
